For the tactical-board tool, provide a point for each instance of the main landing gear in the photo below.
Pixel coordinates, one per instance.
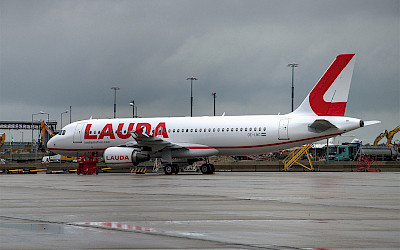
(171, 169)
(206, 168)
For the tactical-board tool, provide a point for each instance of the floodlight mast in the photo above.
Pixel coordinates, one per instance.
(293, 65)
(115, 99)
(191, 93)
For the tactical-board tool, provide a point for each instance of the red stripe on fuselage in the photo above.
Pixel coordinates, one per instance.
(220, 147)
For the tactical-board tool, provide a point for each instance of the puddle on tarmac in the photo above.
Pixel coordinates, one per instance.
(35, 227)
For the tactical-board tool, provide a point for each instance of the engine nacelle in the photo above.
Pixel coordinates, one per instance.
(124, 157)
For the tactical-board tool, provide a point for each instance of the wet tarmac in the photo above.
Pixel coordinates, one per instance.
(193, 211)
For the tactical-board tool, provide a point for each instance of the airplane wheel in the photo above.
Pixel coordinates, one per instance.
(212, 168)
(205, 169)
(168, 169)
(175, 169)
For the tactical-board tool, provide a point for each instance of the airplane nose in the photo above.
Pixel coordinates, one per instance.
(51, 143)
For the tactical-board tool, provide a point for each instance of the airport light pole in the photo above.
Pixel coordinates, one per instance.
(44, 113)
(191, 93)
(293, 65)
(66, 111)
(115, 99)
(132, 103)
(214, 95)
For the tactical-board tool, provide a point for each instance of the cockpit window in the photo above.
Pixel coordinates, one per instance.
(63, 132)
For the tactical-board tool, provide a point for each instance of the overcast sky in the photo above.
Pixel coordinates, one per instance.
(54, 54)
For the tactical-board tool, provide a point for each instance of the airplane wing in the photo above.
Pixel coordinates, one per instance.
(320, 125)
(154, 143)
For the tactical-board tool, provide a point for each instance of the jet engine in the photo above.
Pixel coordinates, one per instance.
(124, 156)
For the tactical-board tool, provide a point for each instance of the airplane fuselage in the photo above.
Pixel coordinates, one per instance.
(203, 136)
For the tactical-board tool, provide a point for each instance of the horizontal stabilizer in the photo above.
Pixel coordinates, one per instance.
(321, 125)
(367, 123)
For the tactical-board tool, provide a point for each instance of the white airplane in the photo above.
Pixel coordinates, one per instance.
(128, 141)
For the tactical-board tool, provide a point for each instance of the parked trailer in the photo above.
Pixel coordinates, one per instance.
(382, 153)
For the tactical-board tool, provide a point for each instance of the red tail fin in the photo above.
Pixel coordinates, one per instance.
(329, 95)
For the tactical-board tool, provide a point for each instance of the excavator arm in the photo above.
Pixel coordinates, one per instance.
(44, 128)
(379, 138)
(2, 139)
(390, 135)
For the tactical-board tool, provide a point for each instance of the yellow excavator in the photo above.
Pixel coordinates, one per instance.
(44, 128)
(390, 136)
(380, 137)
(2, 139)
(56, 158)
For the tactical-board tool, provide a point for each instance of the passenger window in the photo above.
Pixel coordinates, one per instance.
(200, 130)
(259, 129)
(209, 130)
(237, 129)
(265, 128)
(245, 129)
(250, 129)
(187, 130)
(222, 129)
(195, 130)
(241, 129)
(218, 130)
(191, 130)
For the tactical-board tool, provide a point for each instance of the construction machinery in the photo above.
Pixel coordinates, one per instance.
(390, 136)
(2, 139)
(44, 128)
(380, 137)
(352, 152)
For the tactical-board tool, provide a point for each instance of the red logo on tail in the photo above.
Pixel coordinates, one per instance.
(317, 102)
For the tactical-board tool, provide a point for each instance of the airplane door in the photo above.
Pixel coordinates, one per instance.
(78, 133)
(283, 129)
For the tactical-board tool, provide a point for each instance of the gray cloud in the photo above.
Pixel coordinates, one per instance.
(60, 53)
